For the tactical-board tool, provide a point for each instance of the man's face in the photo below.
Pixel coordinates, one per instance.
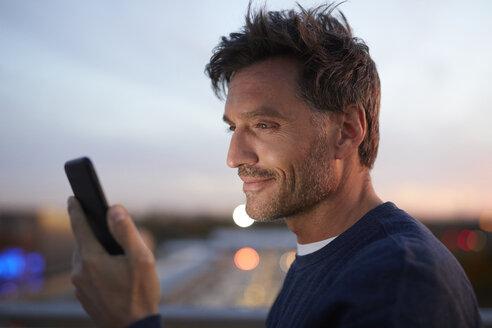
(283, 150)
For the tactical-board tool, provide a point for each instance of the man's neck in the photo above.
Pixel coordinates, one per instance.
(332, 216)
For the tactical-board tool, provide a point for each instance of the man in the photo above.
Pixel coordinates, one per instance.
(302, 105)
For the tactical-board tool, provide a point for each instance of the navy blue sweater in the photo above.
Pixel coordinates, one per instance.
(387, 270)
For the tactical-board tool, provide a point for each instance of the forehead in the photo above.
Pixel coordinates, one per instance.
(269, 85)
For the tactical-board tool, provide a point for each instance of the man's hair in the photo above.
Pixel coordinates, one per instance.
(336, 69)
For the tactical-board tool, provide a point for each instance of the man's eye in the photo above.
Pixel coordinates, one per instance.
(231, 129)
(263, 126)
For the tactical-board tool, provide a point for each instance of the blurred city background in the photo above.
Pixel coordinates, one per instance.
(123, 83)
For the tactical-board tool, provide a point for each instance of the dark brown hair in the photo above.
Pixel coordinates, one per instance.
(336, 69)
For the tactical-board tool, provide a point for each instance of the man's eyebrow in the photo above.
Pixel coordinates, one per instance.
(226, 119)
(265, 111)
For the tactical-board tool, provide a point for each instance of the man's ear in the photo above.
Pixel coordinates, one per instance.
(353, 128)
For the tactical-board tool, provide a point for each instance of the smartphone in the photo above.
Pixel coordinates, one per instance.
(88, 191)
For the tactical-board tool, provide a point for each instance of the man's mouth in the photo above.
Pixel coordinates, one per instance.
(255, 179)
(255, 184)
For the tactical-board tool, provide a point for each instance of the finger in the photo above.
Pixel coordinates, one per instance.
(125, 232)
(76, 259)
(77, 276)
(86, 241)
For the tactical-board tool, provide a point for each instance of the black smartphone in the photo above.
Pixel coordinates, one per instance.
(87, 189)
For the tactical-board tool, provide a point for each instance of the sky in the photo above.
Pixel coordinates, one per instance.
(123, 82)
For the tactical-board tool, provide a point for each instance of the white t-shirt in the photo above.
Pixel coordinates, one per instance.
(305, 249)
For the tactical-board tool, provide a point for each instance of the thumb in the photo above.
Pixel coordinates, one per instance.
(125, 232)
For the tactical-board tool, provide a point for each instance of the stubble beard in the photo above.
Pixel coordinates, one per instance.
(313, 181)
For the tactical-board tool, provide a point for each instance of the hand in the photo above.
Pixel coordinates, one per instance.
(114, 290)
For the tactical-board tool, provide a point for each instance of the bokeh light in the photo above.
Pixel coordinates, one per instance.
(465, 238)
(485, 221)
(481, 240)
(35, 263)
(286, 260)
(246, 259)
(241, 218)
(20, 271)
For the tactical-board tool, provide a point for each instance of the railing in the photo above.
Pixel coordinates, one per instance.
(71, 314)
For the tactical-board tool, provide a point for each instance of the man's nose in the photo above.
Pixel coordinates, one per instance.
(241, 150)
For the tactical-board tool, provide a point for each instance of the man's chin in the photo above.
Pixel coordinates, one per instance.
(263, 213)
(268, 219)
